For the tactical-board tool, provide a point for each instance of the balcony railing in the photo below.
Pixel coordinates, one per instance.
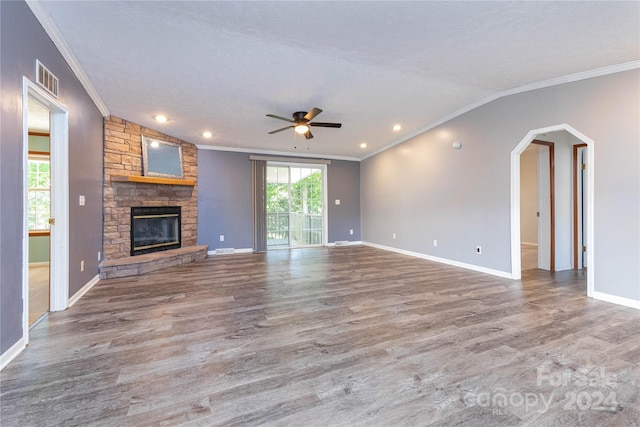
(306, 229)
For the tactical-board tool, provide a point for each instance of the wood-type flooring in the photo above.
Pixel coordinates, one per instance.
(345, 336)
(38, 292)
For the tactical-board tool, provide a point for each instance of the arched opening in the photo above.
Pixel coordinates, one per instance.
(516, 248)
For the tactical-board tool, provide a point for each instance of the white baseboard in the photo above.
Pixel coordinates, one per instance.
(349, 243)
(477, 268)
(83, 290)
(12, 353)
(39, 264)
(529, 244)
(627, 302)
(235, 251)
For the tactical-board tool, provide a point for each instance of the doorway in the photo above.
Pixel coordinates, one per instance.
(46, 204)
(295, 200)
(537, 206)
(565, 237)
(39, 209)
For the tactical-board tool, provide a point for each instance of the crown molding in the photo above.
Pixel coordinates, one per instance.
(276, 153)
(57, 39)
(598, 72)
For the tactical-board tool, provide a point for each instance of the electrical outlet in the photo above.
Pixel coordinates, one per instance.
(435, 243)
(479, 250)
(351, 232)
(81, 200)
(222, 237)
(394, 236)
(337, 201)
(82, 265)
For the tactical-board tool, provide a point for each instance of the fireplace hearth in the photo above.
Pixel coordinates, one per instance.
(155, 228)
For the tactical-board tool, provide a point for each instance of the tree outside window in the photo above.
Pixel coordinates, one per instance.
(39, 183)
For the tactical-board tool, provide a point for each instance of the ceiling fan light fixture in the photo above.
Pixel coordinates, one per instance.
(301, 129)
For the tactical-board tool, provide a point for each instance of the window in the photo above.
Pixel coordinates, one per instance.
(39, 183)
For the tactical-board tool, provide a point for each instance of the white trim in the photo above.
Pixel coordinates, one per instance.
(516, 268)
(627, 302)
(289, 160)
(12, 352)
(235, 251)
(485, 270)
(275, 153)
(90, 284)
(57, 39)
(598, 72)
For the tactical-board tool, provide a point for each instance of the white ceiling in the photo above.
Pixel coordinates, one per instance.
(221, 66)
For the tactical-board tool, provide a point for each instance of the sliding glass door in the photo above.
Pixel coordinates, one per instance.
(295, 205)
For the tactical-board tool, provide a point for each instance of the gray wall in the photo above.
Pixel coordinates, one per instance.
(224, 199)
(424, 190)
(22, 41)
(343, 182)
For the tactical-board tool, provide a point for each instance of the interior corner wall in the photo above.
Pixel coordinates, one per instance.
(22, 41)
(224, 199)
(423, 190)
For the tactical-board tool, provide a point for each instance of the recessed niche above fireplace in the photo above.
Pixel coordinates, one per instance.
(155, 228)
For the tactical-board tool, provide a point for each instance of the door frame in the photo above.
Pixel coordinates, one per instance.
(325, 217)
(552, 202)
(59, 234)
(576, 171)
(516, 269)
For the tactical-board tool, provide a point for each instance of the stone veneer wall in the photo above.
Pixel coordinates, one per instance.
(123, 156)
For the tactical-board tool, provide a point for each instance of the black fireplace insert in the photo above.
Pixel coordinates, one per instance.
(155, 228)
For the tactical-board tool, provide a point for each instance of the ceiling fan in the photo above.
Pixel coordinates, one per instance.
(302, 122)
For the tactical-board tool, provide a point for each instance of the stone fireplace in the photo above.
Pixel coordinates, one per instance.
(154, 229)
(125, 188)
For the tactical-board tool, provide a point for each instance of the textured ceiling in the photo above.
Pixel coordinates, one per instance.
(221, 66)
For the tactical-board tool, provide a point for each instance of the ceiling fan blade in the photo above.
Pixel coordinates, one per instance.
(326, 125)
(311, 114)
(308, 135)
(280, 118)
(280, 130)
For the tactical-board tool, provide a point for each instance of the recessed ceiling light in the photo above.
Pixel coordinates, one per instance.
(363, 145)
(161, 118)
(206, 134)
(397, 127)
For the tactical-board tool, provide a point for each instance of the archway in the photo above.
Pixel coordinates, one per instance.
(516, 271)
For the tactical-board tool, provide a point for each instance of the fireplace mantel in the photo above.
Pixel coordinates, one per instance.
(152, 180)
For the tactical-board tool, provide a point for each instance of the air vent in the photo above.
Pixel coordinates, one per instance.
(225, 251)
(46, 79)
